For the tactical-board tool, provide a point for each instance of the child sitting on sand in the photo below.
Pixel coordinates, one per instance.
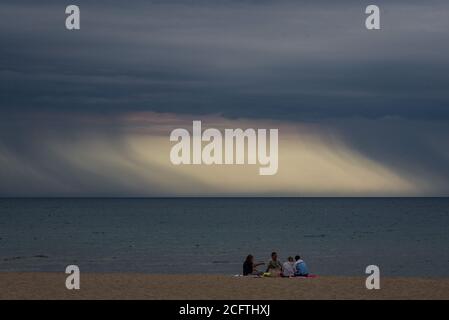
(288, 268)
(301, 269)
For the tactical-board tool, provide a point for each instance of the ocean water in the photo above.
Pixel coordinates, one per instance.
(335, 236)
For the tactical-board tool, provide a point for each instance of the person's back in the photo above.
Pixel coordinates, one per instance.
(301, 267)
(247, 268)
(288, 268)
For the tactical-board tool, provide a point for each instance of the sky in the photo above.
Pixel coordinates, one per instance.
(89, 112)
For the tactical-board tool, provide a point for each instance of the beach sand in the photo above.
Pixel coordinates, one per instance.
(151, 286)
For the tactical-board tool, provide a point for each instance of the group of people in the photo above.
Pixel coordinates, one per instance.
(290, 268)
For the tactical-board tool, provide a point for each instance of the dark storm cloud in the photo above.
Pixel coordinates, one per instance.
(287, 59)
(385, 93)
(416, 148)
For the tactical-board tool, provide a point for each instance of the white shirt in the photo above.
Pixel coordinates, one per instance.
(288, 269)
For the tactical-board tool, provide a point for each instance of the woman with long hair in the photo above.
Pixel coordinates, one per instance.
(249, 267)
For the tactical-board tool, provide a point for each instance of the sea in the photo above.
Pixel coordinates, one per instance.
(335, 236)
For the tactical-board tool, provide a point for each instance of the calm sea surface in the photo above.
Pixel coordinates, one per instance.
(338, 236)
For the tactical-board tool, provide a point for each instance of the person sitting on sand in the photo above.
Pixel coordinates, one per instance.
(288, 268)
(249, 268)
(274, 266)
(301, 269)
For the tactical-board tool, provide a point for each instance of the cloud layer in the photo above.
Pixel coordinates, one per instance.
(89, 112)
(129, 156)
(269, 59)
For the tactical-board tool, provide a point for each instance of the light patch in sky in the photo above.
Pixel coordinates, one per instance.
(133, 160)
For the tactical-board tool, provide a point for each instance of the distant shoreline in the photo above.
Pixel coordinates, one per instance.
(42, 285)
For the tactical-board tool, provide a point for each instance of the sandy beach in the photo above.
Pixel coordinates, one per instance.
(151, 286)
